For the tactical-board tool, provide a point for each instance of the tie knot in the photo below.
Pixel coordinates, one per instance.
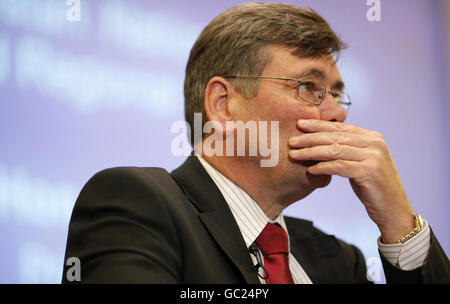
(273, 239)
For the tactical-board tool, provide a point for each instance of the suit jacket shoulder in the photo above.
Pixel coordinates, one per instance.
(121, 228)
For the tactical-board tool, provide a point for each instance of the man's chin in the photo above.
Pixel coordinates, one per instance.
(316, 181)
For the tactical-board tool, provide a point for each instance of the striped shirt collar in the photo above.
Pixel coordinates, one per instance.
(250, 218)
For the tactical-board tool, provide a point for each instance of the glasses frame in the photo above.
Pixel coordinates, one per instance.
(299, 81)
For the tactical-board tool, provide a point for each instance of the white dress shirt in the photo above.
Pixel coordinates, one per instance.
(251, 220)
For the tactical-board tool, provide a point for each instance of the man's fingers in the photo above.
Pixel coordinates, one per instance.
(314, 125)
(331, 152)
(344, 168)
(329, 138)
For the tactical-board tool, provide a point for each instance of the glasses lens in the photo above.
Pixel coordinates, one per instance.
(311, 91)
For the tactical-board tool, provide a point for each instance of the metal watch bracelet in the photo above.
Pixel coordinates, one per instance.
(416, 230)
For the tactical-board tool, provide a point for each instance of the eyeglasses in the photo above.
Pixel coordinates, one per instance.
(310, 90)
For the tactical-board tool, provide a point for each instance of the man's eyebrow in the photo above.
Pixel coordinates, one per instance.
(338, 85)
(310, 72)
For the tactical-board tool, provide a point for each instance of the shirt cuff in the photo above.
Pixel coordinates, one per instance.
(410, 255)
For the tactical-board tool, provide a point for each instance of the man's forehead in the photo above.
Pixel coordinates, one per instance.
(283, 61)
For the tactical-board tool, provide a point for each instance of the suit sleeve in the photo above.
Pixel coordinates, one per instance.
(435, 270)
(357, 263)
(360, 267)
(122, 232)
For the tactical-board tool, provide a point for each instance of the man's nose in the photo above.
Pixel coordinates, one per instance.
(330, 110)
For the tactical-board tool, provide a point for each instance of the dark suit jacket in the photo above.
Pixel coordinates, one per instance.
(144, 225)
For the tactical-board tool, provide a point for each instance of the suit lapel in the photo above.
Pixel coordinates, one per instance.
(228, 236)
(215, 215)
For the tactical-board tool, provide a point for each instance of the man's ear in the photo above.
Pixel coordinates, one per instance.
(218, 102)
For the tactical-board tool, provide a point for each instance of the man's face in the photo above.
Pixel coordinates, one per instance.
(277, 100)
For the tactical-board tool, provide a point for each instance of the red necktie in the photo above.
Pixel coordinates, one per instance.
(273, 243)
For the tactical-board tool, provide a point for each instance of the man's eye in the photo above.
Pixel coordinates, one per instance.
(336, 96)
(307, 86)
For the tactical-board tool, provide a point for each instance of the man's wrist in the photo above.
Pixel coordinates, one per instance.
(392, 233)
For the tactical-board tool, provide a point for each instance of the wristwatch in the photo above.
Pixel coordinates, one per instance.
(416, 230)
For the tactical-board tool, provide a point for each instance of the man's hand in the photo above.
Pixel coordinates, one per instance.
(363, 157)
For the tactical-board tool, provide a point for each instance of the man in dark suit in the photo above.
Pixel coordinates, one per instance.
(218, 217)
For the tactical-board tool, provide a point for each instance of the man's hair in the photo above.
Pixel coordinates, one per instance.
(238, 41)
